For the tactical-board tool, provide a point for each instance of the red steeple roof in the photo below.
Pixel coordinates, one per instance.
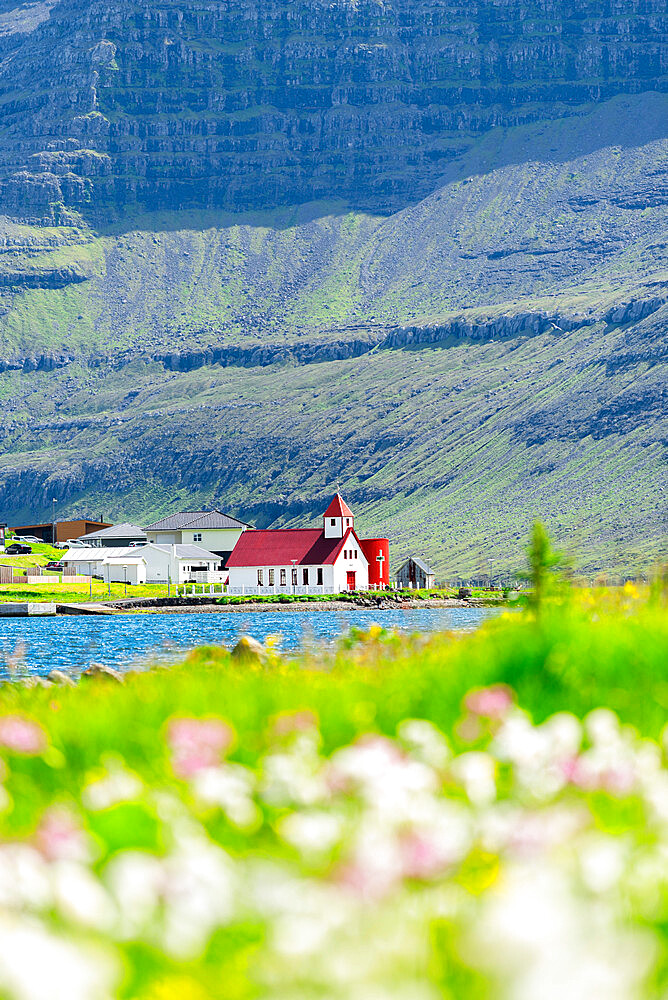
(338, 508)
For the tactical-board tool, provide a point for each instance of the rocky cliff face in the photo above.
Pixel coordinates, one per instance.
(256, 103)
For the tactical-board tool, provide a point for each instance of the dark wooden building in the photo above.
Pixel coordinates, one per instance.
(64, 530)
(415, 574)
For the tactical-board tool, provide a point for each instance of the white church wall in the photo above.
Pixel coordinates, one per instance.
(355, 563)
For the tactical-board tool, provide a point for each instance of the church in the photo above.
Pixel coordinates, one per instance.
(330, 560)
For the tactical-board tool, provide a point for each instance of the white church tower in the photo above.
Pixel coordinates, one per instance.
(338, 518)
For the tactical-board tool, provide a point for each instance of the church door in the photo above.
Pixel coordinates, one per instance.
(351, 580)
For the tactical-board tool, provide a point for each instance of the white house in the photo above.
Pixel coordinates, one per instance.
(178, 563)
(211, 529)
(146, 564)
(331, 559)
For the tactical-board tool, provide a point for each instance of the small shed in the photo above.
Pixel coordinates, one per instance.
(125, 569)
(415, 574)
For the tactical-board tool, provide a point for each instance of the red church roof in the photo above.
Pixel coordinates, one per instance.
(278, 547)
(338, 508)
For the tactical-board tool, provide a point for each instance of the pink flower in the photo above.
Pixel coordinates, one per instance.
(490, 703)
(300, 721)
(59, 837)
(22, 735)
(197, 743)
(421, 855)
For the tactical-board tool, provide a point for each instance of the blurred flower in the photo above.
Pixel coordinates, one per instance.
(313, 833)
(231, 787)
(490, 703)
(286, 723)
(36, 963)
(116, 784)
(59, 836)
(22, 735)
(477, 773)
(197, 743)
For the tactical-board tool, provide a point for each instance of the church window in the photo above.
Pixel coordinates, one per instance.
(283, 578)
(271, 578)
(294, 576)
(332, 521)
(347, 521)
(260, 578)
(345, 553)
(320, 580)
(355, 553)
(305, 577)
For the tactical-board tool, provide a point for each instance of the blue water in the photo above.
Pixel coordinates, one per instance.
(129, 641)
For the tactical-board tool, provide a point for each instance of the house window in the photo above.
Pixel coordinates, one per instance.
(197, 536)
(320, 580)
(332, 521)
(305, 577)
(294, 577)
(260, 578)
(271, 578)
(347, 522)
(283, 578)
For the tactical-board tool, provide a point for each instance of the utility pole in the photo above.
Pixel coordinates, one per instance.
(53, 521)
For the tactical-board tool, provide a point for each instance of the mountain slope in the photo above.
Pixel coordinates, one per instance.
(253, 250)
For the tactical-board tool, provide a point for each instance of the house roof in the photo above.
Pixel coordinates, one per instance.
(91, 554)
(338, 508)
(279, 547)
(420, 563)
(186, 552)
(196, 519)
(124, 530)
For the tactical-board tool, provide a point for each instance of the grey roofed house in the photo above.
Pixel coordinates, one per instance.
(415, 573)
(204, 519)
(116, 535)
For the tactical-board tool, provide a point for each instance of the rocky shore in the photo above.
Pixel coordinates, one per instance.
(199, 605)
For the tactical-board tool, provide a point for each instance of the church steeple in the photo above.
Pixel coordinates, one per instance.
(338, 518)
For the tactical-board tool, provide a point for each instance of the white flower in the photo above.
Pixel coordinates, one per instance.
(24, 878)
(117, 784)
(35, 964)
(477, 772)
(229, 786)
(81, 897)
(426, 742)
(312, 833)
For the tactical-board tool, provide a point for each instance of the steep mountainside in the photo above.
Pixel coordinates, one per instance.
(419, 246)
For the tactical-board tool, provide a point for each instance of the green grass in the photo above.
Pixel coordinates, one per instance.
(113, 778)
(78, 593)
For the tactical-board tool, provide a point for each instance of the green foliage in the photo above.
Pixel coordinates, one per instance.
(184, 794)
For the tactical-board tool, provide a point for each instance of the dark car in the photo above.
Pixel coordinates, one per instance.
(18, 550)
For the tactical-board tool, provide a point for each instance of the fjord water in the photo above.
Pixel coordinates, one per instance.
(126, 642)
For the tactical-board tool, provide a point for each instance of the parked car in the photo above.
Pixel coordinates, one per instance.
(27, 539)
(17, 549)
(54, 565)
